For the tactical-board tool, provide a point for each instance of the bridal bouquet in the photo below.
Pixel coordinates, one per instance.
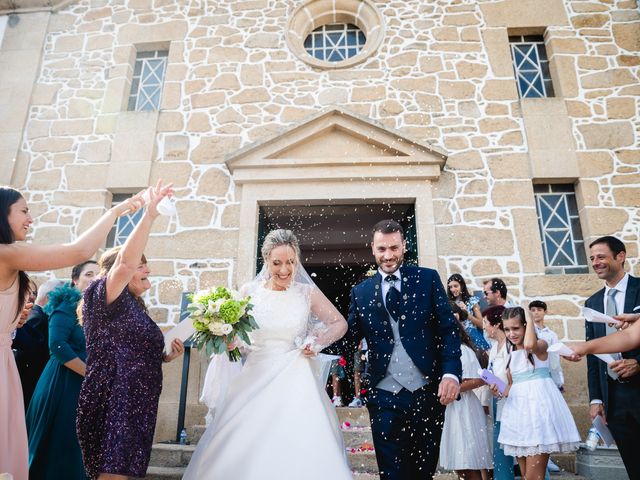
(220, 315)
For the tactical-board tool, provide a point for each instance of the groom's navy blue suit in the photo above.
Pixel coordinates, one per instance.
(406, 424)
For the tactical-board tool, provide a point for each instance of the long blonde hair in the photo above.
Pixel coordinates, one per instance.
(106, 263)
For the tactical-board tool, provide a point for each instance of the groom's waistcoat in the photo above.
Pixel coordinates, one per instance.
(426, 328)
(401, 372)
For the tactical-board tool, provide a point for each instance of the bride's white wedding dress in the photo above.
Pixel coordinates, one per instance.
(276, 421)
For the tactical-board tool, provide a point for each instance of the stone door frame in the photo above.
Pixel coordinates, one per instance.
(288, 169)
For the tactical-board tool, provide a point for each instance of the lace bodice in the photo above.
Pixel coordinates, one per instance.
(282, 317)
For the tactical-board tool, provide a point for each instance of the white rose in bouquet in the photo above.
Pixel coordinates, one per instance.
(217, 328)
(227, 329)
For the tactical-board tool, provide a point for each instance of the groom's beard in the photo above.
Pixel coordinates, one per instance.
(390, 268)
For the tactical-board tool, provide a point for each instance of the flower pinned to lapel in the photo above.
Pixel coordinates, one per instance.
(371, 272)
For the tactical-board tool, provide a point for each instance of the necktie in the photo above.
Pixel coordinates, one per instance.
(393, 298)
(611, 309)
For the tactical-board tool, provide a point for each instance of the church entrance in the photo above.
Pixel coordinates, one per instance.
(329, 179)
(335, 240)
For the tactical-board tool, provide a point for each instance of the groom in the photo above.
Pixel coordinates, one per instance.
(414, 356)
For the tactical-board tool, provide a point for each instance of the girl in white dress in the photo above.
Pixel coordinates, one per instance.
(276, 421)
(535, 418)
(498, 357)
(464, 446)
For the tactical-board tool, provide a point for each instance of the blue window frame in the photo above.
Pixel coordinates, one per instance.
(559, 224)
(148, 77)
(531, 66)
(335, 42)
(124, 225)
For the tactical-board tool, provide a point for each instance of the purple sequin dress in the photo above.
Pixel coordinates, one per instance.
(119, 397)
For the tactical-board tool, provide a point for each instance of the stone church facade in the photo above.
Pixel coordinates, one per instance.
(432, 104)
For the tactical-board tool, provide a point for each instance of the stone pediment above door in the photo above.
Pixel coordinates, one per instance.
(336, 145)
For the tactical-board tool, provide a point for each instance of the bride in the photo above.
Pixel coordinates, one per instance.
(275, 420)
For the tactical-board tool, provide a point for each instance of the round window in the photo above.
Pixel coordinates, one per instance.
(327, 36)
(335, 43)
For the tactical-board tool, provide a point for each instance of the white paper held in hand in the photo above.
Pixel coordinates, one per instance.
(605, 357)
(490, 379)
(561, 349)
(183, 331)
(603, 430)
(166, 206)
(608, 358)
(594, 316)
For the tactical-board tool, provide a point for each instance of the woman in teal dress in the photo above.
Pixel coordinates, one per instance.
(54, 452)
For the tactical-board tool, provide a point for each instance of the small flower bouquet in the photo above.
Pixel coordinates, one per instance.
(219, 316)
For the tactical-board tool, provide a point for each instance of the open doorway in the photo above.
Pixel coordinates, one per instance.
(335, 240)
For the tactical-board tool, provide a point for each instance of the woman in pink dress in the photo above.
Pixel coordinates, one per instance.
(16, 257)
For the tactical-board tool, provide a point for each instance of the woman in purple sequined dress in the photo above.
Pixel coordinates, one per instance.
(119, 397)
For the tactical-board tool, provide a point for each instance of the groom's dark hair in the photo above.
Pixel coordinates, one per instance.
(388, 226)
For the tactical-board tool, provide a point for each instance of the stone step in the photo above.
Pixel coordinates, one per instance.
(566, 462)
(363, 462)
(357, 417)
(355, 437)
(603, 462)
(195, 433)
(171, 455)
(164, 473)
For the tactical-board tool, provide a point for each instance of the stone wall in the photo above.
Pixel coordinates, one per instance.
(442, 75)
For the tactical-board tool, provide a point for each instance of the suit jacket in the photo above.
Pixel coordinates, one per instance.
(596, 368)
(428, 329)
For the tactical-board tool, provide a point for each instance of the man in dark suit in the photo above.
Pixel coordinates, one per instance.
(414, 356)
(614, 391)
(31, 344)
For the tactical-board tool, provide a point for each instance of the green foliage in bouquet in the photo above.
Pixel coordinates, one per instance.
(219, 316)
